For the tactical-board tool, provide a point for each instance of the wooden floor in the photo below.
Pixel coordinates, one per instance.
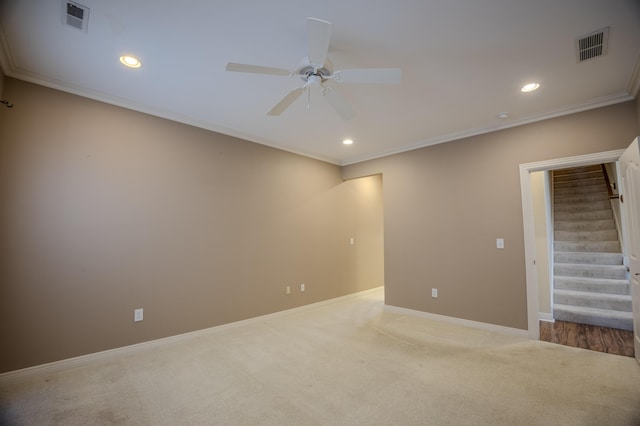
(601, 339)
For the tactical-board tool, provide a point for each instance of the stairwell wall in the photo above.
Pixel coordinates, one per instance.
(445, 205)
(539, 192)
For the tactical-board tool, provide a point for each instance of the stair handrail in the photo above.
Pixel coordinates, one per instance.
(608, 182)
(614, 199)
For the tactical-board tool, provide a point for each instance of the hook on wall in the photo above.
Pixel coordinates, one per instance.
(6, 103)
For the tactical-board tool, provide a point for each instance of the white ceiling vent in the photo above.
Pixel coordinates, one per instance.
(75, 15)
(592, 45)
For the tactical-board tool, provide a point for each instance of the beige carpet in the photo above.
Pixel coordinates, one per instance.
(346, 363)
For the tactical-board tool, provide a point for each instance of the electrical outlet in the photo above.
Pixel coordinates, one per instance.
(500, 243)
(287, 290)
(138, 315)
(302, 287)
(434, 293)
(352, 241)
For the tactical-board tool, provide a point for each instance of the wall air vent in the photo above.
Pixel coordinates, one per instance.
(75, 15)
(592, 45)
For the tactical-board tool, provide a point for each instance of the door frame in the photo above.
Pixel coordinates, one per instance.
(529, 227)
(629, 188)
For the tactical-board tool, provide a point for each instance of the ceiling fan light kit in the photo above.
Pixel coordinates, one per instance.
(317, 70)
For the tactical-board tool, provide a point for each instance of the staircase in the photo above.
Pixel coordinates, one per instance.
(590, 281)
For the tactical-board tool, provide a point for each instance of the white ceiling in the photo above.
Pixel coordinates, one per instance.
(463, 62)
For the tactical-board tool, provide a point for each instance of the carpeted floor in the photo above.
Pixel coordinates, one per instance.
(345, 363)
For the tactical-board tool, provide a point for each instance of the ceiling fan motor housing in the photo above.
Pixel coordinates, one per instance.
(308, 69)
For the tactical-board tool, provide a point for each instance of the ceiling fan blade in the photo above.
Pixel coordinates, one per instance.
(338, 102)
(319, 37)
(256, 69)
(369, 75)
(286, 101)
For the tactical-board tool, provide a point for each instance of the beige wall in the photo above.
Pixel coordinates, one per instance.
(104, 210)
(445, 205)
(366, 222)
(538, 191)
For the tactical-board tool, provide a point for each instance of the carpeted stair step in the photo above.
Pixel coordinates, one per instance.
(593, 285)
(615, 272)
(587, 246)
(588, 257)
(558, 177)
(579, 169)
(601, 235)
(614, 302)
(584, 225)
(582, 198)
(567, 184)
(584, 215)
(593, 316)
(591, 189)
(582, 207)
(586, 172)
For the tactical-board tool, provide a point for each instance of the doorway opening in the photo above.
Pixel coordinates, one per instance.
(526, 171)
(584, 292)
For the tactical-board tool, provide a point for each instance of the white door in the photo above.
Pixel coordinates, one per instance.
(630, 173)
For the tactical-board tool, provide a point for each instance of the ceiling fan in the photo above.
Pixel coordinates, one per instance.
(317, 70)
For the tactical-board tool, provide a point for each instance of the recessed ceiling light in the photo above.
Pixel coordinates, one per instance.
(347, 142)
(530, 87)
(130, 61)
(503, 115)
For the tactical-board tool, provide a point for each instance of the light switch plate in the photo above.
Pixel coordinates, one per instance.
(500, 243)
(138, 315)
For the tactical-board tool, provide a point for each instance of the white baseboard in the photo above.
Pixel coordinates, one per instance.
(543, 316)
(459, 321)
(83, 360)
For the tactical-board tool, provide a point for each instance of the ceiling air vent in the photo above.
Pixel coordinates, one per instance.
(592, 45)
(76, 15)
